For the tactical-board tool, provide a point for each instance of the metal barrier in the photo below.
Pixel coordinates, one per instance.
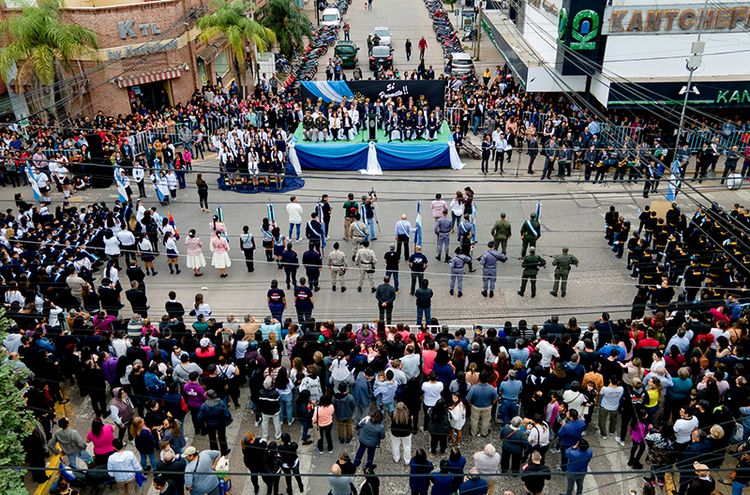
(695, 139)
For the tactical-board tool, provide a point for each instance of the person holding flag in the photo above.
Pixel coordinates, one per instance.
(39, 182)
(314, 231)
(123, 185)
(531, 231)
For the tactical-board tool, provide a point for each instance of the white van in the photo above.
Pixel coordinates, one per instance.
(330, 17)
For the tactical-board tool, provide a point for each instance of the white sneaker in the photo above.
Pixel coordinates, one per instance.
(620, 441)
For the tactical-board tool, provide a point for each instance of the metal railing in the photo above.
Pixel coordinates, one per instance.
(695, 139)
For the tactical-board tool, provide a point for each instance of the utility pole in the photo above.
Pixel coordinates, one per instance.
(479, 31)
(696, 55)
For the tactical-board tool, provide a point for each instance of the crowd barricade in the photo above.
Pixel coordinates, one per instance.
(696, 138)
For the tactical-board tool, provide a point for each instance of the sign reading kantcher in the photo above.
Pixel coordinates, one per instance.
(676, 19)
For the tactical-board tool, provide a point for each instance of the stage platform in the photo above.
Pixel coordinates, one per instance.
(374, 157)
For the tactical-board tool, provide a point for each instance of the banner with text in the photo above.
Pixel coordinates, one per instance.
(432, 90)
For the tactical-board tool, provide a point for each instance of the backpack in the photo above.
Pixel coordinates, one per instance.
(703, 360)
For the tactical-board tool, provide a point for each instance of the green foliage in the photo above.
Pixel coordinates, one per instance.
(39, 39)
(288, 23)
(231, 19)
(15, 424)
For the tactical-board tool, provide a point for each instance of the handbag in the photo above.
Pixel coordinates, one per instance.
(140, 478)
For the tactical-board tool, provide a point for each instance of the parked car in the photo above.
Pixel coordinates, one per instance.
(347, 52)
(460, 64)
(381, 57)
(330, 17)
(384, 34)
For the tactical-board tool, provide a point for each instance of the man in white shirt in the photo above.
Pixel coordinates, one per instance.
(410, 363)
(548, 351)
(122, 466)
(610, 405)
(294, 210)
(684, 427)
(681, 339)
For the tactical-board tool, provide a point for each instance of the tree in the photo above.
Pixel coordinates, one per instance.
(16, 423)
(231, 19)
(289, 24)
(42, 45)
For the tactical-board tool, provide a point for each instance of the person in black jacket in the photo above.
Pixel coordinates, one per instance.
(290, 262)
(171, 469)
(290, 462)
(535, 474)
(252, 455)
(215, 416)
(486, 151)
(136, 296)
(268, 403)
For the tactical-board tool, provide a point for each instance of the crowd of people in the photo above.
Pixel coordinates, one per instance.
(672, 381)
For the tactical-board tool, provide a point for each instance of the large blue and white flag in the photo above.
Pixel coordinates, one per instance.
(271, 214)
(473, 221)
(363, 214)
(538, 211)
(120, 180)
(418, 227)
(33, 181)
(675, 179)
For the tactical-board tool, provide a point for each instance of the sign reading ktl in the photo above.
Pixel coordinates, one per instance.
(126, 29)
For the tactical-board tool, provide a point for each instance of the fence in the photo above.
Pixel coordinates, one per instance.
(695, 139)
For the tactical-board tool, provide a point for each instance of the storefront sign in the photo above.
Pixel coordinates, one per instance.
(706, 94)
(549, 8)
(676, 19)
(127, 29)
(578, 31)
(143, 49)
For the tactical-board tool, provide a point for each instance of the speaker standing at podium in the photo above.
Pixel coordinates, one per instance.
(372, 123)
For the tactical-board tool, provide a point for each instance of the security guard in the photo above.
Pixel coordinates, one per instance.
(457, 271)
(313, 263)
(366, 260)
(530, 265)
(357, 233)
(501, 232)
(562, 263)
(321, 124)
(443, 230)
(530, 232)
(489, 260)
(308, 127)
(337, 264)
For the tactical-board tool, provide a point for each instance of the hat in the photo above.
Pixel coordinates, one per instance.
(190, 451)
(205, 342)
(532, 249)
(700, 467)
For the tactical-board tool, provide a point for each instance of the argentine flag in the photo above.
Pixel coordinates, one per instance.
(33, 181)
(674, 181)
(121, 185)
(418, 228)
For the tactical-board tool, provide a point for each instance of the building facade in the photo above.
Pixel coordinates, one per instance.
(628, 52)
(149, 53)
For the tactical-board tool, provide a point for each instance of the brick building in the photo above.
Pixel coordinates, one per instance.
(148, 51)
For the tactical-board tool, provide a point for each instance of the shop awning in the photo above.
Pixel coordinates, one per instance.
(149, 77)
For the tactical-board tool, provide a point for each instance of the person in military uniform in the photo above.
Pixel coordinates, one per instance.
(357, 233)
(562, 263)
(531, 265)
(457, 264)
(530, 232)
(443, 228)
(308, 126)
(321, 125)
(337, 265)
(489, 260)
(365, 260)
(501, 232)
